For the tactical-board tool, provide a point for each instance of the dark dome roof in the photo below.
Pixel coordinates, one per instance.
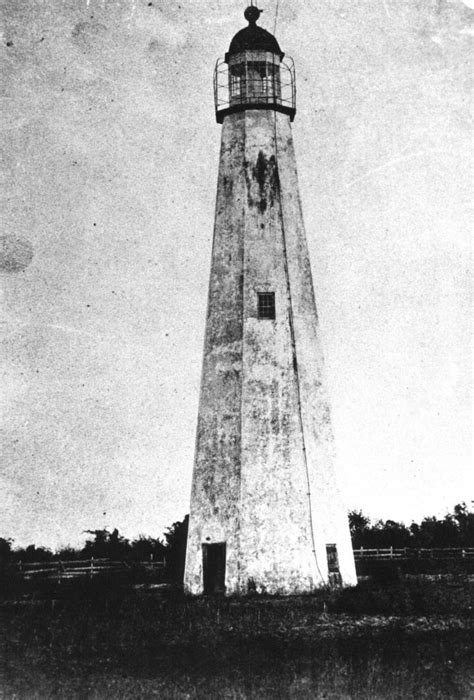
(254, 38)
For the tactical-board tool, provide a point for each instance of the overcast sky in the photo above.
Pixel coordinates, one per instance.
(110, 158)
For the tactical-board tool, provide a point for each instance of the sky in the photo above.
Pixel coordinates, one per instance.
(110, 153)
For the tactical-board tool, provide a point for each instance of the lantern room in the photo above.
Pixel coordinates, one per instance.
(254, 74)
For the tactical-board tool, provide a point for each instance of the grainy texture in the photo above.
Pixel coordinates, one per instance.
(132, 646)
(110, 152)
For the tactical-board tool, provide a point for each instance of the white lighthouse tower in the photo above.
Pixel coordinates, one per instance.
(265, 510)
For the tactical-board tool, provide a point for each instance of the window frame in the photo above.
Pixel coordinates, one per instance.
(266, 306)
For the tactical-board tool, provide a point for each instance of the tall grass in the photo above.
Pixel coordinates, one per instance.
(101, 641)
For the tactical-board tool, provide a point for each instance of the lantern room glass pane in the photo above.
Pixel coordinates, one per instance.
(254, 78)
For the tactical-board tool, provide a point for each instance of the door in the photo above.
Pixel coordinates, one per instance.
(213, 568)
(333, 559)
(333, 565)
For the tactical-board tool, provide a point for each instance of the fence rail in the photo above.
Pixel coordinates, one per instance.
(413, 553)
(82, 568)
(79, 568)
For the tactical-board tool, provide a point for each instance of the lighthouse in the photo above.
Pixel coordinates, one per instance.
(266, 513)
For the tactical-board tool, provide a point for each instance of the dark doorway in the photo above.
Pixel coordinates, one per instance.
(333, 559)
(213, 568)
(333, 565)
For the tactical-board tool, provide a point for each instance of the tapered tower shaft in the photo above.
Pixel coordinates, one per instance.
(265, 510)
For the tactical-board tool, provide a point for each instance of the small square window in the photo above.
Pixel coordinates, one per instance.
(266, 305)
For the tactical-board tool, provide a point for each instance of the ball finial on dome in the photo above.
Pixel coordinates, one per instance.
(252, 14)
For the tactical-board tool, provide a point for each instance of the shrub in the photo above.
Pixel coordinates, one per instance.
(375, 598)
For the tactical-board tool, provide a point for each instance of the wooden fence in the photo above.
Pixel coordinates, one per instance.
(79, 568)
(413, 553)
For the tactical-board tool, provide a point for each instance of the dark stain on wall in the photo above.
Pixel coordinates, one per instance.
(228, 184)
(265, 174)
(15, 253)
(260, 170)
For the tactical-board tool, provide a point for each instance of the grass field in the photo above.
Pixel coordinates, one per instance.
(105, 641)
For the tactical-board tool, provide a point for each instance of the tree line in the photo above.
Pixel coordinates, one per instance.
(455, 529)
(102, 544)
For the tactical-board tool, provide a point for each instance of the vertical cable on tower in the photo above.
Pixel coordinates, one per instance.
(276, 16)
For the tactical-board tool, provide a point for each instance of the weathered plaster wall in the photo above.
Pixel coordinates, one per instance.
(215, 500)
(275, 525)
(329, 518)
(264, 480)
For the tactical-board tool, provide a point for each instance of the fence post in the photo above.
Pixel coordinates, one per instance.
(391, 552)
(92, 567)
(463, 553)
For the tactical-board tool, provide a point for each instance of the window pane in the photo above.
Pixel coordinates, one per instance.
(234, 85)
(266, 305)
